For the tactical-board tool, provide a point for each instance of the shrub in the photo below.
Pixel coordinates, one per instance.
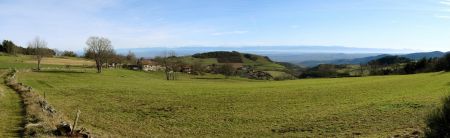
(438, 122)
(222, 56)
(284, 77)
(444, 63)
(389, 60)
(251, 57)
(227, 70)
(69, 54)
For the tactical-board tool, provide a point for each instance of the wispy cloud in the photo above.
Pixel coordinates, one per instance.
(445, 2)
(230, 32)
(445, 10)
(442, 16)
(67, 24)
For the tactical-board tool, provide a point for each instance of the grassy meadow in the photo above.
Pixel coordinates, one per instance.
(139, 104)
(28, 62)
(10, 111)
(260, 63)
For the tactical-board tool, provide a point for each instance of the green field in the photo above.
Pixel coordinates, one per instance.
(10, 111)
(260, 63)
(27, 62)
(138, 104)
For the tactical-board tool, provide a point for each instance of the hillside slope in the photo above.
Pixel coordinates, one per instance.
(139, 104)
(26, 61)
(413, 56)
(259, 62)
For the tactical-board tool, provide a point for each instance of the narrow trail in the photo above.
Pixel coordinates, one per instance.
(11, 110)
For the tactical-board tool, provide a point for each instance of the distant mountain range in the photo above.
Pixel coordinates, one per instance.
(301, 55)
(285, 53)
(364, 60)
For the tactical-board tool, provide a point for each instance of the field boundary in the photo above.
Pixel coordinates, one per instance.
(4, 90)
(41, 119)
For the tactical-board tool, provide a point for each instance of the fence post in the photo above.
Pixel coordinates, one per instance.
(76, 122)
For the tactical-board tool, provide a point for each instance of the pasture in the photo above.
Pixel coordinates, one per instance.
(27, 62)
(11, 113)
(140, 104)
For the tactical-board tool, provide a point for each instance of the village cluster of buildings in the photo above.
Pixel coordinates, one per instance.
(240, 69)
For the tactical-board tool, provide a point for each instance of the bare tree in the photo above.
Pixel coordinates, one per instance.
(39, 50)
(198, 68)
(361, 70)
(227, 70)
(131, 58)
(58, 52)
(170, 62)
(101, 50)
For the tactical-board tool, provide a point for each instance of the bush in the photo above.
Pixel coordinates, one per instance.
(284, 77)
(227, 70)
(444, 63)
(69, 54)
(251, 57)
(389, 60)
(438, 122)
(222, 56)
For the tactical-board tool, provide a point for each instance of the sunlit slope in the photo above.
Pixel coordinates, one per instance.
(132, 103)
(25, 61)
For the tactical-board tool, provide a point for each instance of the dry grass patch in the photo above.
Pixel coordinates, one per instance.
(65, 61)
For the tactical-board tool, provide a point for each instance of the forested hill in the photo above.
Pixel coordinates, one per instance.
(365, 60)
(234, 57)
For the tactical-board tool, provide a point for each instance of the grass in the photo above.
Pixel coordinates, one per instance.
(137, 104)
(277, 73)
(260, 63)
(10, 111)
(263, 64)
(15, 62)
(73, 61)
(27, 62)
(206, 61)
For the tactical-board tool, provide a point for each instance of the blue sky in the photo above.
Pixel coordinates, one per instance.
(66, 24)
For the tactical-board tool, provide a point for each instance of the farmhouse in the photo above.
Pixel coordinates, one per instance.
(237, 65)
(150, 65)
(186, 69)
(114, 65)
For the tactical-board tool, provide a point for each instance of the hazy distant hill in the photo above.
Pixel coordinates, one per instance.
(292, 54)
(417, 56)
(263, 50)
(414, 56)
(302, 57)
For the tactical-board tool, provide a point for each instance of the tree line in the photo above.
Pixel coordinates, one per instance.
(388, 65)
(222, 56)
(7, 46)
(400, 65)
(36, 47)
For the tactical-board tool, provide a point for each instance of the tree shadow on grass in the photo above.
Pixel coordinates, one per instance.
(439, 73)
(202, 78)
(61, 71)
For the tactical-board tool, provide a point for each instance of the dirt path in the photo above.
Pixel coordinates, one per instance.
(11, 112)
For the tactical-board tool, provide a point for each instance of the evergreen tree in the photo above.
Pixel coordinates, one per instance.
(9, 47)
(1, 48)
